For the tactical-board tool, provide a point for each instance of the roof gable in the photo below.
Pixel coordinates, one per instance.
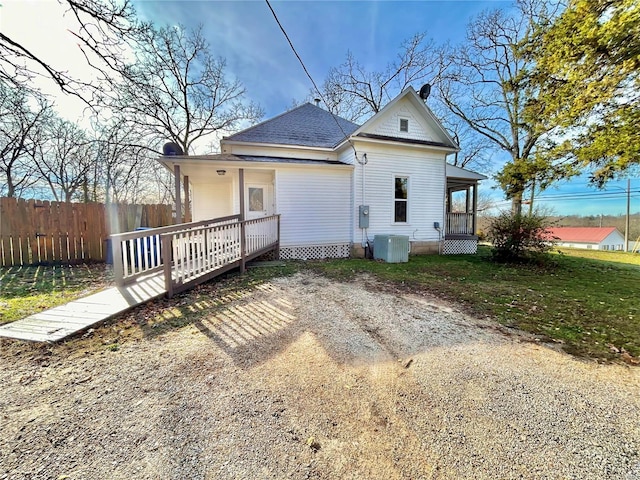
(306, 125)
(423, 126)
(582, 234)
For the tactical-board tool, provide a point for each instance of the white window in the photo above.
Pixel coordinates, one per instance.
(404, 124)
(400, 199)
(256, 199)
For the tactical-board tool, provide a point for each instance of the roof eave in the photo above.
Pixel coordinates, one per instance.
(406, 144)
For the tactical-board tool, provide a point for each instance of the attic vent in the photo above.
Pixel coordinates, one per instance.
(404, 124)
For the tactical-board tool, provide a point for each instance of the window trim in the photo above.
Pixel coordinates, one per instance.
(405, 119)
(394, 199)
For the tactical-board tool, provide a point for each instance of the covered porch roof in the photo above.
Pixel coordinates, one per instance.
(460, 178)
(199, 165)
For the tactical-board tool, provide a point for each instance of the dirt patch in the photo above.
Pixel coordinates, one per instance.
(305, 377)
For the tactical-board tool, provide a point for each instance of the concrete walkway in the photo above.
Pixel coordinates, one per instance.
(64, 321)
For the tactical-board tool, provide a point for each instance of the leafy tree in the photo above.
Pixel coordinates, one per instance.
(516, 237)
(176, 90)
(588, 64)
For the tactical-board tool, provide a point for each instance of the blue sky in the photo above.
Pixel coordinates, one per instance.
(247, 36)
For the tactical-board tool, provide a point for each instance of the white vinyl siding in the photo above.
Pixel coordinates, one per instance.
(391, 124)
(426, 174)
(213, 200)
(315, 205)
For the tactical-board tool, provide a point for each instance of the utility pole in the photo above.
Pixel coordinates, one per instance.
(533, 192)
(626, 223)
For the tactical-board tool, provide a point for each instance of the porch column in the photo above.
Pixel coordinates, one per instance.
(241, 188)
(448, 200)
(475, 209)
(467, 208)
(243, 231)
(187, 199)
(176, 176)
(467, 200)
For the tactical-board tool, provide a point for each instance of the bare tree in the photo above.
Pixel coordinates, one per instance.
(124, 167)
(485, 201)
(105, 31)
(488, 86)
(64, 159)
(476, 150)
(177, 90)
(353, 92)
(22, 121)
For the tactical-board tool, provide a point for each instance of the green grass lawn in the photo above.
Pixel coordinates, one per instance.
(587, 304)
(27, 290)
(586, 300)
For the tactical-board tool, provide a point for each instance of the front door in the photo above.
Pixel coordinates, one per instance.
(258, 200)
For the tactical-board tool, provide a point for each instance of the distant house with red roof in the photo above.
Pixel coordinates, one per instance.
(596, 238)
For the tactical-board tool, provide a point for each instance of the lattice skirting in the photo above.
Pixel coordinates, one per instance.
(315, 252)
(460, 246)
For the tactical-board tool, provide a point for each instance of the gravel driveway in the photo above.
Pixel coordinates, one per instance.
(304, 377)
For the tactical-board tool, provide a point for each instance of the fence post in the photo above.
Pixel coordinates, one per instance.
(118, 267)
(166, 260)
(243, 246)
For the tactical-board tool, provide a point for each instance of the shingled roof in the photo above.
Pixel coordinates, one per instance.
(306, 125)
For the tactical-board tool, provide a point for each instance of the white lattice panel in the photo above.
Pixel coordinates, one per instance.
(315, 252)
(460, 246)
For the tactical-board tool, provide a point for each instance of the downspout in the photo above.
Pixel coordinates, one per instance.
(443, 227)
(364, 199)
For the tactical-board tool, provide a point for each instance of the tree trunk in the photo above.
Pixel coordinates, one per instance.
(516, 204)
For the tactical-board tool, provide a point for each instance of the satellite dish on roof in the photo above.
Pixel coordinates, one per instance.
(425, 91)
(171, 149)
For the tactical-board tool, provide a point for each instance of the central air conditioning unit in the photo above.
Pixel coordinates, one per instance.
(391, 248)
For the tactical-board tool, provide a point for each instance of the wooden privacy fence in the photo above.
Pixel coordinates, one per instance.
(38, 232)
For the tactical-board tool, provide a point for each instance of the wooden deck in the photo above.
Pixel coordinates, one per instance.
(152, 263)
(62, 322)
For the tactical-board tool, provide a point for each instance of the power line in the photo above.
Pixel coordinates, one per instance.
(564, 199)
(310, 77)
(586, 195)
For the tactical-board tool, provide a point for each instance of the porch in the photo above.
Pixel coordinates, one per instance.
(460, 233)
(187, 254)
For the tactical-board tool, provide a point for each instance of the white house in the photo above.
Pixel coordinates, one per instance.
(335, 184)
(596, 238)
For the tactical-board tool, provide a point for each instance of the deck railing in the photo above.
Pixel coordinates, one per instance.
(199, 253)
(139, 253)
(460, 224)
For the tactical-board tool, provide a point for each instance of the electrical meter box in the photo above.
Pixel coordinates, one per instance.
(363, 218)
